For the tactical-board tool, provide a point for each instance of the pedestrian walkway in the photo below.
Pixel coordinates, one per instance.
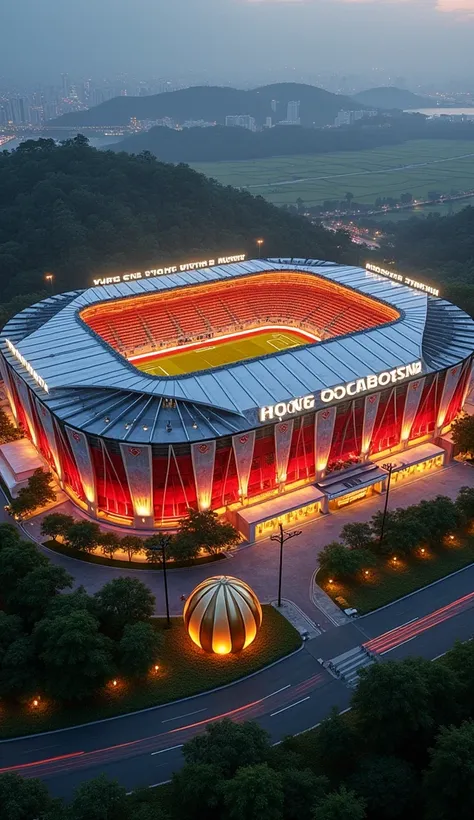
(326, 605)
(348, 665)
(303, 624)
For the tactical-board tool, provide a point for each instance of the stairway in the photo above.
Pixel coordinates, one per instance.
(348, 665)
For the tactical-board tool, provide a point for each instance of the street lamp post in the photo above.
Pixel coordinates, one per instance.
(282, 537)
(389, 466)
(259, 244)
(163, 542)
(50, 279)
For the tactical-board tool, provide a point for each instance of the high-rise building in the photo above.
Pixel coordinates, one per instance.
(18, 111)
(293, 112)
(65, 85)
(274, 106)
(241, 121)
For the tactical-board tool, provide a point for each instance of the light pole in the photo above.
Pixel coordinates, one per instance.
(259, 244)
(389, 466)
(50, 279)
(282, 537)
(162, 543)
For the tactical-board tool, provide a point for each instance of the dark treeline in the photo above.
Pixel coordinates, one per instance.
(406, 750)
(78, 212)
(221, 143)
(438, 248)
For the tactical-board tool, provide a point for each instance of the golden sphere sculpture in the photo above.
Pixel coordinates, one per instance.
(222, 615)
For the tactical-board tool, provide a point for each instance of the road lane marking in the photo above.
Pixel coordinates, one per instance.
(276, 692)
(169, 749)
(290, 706)
(188, 714)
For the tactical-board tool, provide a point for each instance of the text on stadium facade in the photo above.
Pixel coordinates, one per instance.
(405, 280)
(149, 274)
(342, 391)
(16, 353)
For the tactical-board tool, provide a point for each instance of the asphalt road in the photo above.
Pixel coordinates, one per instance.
(289, 697)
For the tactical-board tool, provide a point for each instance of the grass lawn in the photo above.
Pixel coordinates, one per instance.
(388, 580)
(417, 167)
(184, 670)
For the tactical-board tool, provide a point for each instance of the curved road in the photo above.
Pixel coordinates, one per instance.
(293, 695)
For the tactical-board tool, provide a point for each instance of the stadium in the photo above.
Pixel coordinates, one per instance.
(270, 390)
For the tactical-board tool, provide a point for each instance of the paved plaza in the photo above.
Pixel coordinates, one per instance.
(258, 564)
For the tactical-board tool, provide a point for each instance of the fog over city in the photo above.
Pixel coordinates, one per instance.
(226, 41)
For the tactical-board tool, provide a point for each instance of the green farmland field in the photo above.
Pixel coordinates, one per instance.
(417, 167)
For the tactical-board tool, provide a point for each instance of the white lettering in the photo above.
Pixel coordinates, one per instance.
(286, 408)
(38, 379)
(412, 283)
(370, 382)
(186, 266)
(327, 395)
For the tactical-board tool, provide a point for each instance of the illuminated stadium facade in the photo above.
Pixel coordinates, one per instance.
(250, 388)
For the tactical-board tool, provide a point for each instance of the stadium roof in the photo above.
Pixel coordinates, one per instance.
(94, 388)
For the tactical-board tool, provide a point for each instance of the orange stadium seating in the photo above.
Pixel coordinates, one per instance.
(160, 320)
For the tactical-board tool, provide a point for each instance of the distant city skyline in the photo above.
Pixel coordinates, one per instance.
(232, 41)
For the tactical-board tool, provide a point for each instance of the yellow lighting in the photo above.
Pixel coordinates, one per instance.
(114, 683)
(422, 550)
(366, 572)
(222, 649)
(142, 508)
(156, 667)
(331, 580)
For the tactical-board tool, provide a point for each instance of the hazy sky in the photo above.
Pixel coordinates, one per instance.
(235, 38)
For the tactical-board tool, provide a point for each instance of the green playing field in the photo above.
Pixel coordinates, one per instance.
(215, 353)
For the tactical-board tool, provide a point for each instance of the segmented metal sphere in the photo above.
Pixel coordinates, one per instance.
(222, 615)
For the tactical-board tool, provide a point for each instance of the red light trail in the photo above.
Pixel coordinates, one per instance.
(402, 634)
(83, 759)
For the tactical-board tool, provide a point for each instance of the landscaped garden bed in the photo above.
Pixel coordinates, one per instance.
(183, 670)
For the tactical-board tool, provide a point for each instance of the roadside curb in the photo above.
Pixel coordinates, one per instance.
(153, 708)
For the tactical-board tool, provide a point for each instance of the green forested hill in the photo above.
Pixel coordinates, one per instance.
(78, 212)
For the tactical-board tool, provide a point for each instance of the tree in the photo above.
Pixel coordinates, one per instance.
(19, 673)
(23, 505)
(341, 805)
(388, 785)
(302, 789)
(340, 561)
(449, 780)
(155, 545)
(8, 431)
(460, 661)
(228, 746)
(405, 199)
(109, 542)
(64, 604)
(132, 544)
(9, 536)
(438, 518)
(16, 561)
(465, 505)
(206, 531)
(100, 799)
(393, 705)
(56, 524)
(23, 799)
(337, 747)
(76, 657)
(138, 649)
(357, 535)
(349, 197)
(34, 592)
(83, 535)
(124, 601)
(462, 434)
(195, 792)
(254, 793)
(11, 628)
(39, 487)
